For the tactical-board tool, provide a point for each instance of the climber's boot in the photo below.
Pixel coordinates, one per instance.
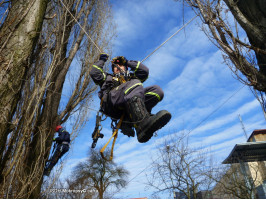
(145, 123)
(127, 129)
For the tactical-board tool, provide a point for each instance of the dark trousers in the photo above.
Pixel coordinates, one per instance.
(59, 152)
(114, 103)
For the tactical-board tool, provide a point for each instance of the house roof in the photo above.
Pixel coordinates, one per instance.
(247, 152)
(255, 132)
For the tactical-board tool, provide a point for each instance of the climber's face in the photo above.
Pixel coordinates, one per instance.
(117, 70)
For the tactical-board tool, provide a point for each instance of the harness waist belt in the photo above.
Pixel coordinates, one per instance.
(65, 143)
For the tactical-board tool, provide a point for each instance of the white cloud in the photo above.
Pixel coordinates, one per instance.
(130, 144)
(162, 66)
(223, 120)
(138, 20)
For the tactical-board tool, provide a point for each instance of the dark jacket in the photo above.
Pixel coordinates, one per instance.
(64, 136)
(105, 80)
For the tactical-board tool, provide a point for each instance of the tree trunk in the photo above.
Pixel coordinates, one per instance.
(18, 34)
(27, 141)
(251, 15)
(245, 59)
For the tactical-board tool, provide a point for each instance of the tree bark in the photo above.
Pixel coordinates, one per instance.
(251, 15)
(27, 141)
(246, 60)
(18, 34)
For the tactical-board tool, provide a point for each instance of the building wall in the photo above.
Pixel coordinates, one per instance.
(255, 170)
(257, 135)
(260, 174)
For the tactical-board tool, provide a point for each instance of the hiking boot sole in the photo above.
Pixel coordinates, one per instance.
(163, 117)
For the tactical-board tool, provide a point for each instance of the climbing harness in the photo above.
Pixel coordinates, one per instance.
(96, 133)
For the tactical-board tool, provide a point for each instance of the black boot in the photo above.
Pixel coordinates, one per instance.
(47, 169)
(145, 124)
(127, 129)
(46, 172)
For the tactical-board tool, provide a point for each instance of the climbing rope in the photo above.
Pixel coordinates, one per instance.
(169, 38)
(81, 27)
(146, 56)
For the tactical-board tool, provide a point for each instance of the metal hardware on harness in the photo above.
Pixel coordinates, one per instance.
(122, 77)
(115, 133)
(65, 143)
(96, 133)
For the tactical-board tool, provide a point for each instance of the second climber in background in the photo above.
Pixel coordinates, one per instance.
(123, 92)
(61, 148)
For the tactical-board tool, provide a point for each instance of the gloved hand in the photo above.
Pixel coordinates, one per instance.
(54, 139)
(121, 60)
(104, 57)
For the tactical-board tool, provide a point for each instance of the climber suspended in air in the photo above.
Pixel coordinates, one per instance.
(123, 93)
(61, 147)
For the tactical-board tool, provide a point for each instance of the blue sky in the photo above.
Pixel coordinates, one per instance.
(196, 82)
